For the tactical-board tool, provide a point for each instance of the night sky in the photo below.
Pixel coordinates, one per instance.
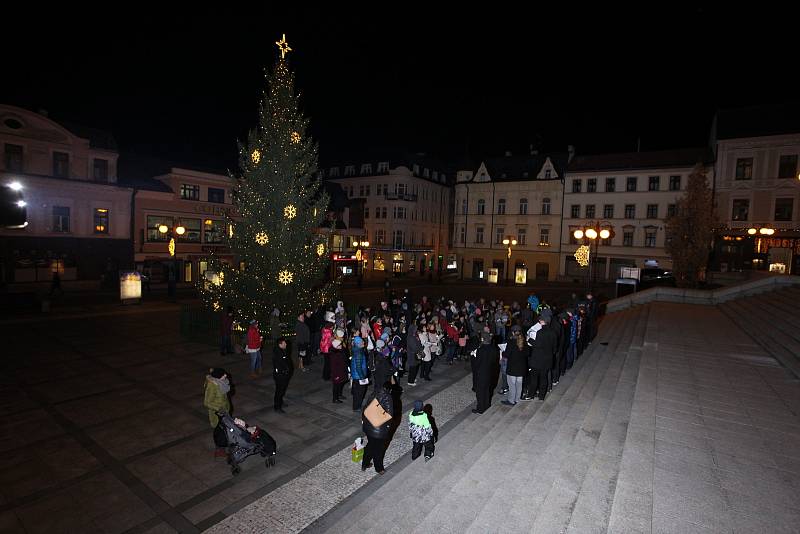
(185, 84)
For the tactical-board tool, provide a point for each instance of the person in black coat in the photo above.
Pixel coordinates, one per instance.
(282, 369)
(517, 356)
(380, 366)
(543, 350)
(486, 362)
(377, 437)
(555, 326)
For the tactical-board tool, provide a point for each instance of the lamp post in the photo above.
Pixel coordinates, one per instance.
(759, 232)
(171, 234)
(592, 231)
(360, 265)
(509, 242)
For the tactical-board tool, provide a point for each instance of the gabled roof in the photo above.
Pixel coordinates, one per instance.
(758, 121)
(685, 157)
(138, 171)
(97, 138)
(527, 167)
(396, 158)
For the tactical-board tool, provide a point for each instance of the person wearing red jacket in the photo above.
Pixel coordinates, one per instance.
(377, 328)
(253, 349)
(450, 341)
(325, 344)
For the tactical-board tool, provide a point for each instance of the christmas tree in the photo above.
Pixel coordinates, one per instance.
(278, 204)
(690, 231)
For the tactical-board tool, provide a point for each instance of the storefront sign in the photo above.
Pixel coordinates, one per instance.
(212, 210)
(493, 274)
(130, 286)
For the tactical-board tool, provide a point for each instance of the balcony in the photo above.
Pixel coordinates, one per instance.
(401, 196)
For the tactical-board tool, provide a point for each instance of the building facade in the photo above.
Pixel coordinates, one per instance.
(630, 194)
(757, 186)
(196, 200)
(509, 198)
(79, 216)
(406, 215)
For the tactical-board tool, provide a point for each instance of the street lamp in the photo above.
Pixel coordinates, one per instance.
(509, 242)
(360, 265)
(758, 232)
(171, 246)
(763, 231)
(592, 230)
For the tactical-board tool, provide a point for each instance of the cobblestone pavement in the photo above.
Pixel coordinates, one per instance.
(104, 428)
(297, 504)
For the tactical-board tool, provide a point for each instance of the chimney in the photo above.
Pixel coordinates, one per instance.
(508, 153)
(571, 152)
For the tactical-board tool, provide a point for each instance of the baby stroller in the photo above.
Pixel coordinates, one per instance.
(243, 441)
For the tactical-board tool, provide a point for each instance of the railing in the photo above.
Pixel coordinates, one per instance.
(706, 297)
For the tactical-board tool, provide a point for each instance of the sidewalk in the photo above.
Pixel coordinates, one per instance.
(18, 308)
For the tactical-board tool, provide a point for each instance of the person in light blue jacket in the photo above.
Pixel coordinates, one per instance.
(359, 372)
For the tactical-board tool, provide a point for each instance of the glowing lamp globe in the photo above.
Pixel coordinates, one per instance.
(180, 230)
(591, 233)
(163, 228)
(604, 234)
(752, 231)
(578, 234)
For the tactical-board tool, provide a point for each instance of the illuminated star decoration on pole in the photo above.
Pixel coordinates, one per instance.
(283, 46)
(582, 255)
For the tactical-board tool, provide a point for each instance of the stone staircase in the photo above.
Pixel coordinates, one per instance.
(496, 472)
(772, 320)
(612, 448)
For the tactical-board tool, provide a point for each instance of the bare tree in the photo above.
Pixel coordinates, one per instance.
(689, 232)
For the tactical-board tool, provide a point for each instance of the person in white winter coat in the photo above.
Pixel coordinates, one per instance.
(431, 345)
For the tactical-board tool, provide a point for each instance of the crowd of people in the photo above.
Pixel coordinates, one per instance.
(518, 351)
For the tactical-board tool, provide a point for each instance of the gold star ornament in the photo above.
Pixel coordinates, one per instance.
(290, 212)
(255, 156)
(262, 238)
(582, 255)
(283, 46)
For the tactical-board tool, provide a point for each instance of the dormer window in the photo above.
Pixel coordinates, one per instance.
(435, 175)
(383, 166)
(350, 170)
(416, 169)
(334, 172)
(426, 173)
(322, 173)
(366, 168)
(547, 174)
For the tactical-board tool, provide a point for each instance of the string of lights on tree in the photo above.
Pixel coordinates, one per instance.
(279, 204)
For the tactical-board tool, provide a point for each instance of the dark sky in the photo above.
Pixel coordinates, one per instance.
(185, 84)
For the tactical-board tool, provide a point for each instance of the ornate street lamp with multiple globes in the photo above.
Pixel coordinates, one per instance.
(171, 247)
(359, 256)
(592, 231)
(509, 242)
